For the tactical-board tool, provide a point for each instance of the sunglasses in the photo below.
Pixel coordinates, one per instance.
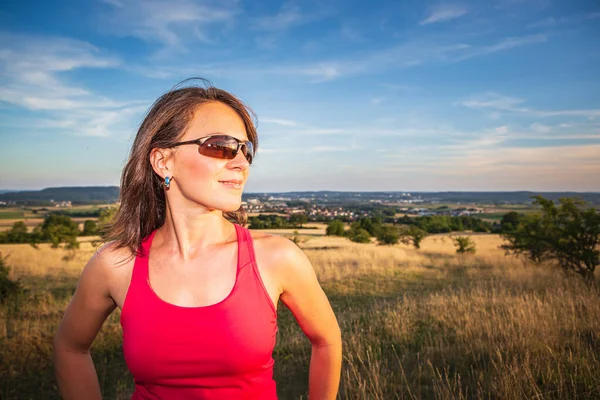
(222, 146)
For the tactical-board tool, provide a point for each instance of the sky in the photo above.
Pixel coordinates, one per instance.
(408, 95)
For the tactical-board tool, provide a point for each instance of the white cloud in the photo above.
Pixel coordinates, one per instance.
(444, 12)
(279, 121)
(34, 74)
(540, 128)
(169, 23)
(408, 55)
(493, 101)
(289, 15)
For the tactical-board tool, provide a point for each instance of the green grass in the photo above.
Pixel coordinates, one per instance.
(11, 214)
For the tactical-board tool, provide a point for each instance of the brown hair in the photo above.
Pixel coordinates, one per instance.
(142, 198)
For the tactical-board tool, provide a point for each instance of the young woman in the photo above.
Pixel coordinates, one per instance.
(198, 294)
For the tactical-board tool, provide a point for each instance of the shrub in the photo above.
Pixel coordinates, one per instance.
(413, 235)
(464, 244)
(359, 235)
(388, 235)
(8, 288)
(90, 228)
(335, 228)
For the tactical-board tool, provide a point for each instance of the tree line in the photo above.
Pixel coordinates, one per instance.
(57, 228)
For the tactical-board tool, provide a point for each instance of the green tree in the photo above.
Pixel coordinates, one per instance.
(567, 233)
(413, 235)
(510, 221)
(59, 228)
(298, 219)
(105, 218)
(18, 233)
(388, 235)
(464, 244)
(335, 228)
(359, 235)
(90, 228)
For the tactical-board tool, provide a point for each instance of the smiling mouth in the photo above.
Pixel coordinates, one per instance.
(234, 184)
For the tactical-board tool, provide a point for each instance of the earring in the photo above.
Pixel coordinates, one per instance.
(167, 182)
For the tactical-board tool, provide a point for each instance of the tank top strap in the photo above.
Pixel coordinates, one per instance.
(245, 248)
(140, 267)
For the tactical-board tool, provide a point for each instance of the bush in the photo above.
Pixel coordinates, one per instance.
(388, 235)
(413, 235)
(464, 244)
(335, 228)
(359, 235)
(90, 228)
(8, 288)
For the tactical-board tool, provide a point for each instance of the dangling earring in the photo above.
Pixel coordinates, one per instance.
(167, 182)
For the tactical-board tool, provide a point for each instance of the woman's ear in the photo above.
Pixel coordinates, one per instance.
(160, 161)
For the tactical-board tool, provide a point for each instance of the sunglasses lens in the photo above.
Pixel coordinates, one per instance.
(225, 148)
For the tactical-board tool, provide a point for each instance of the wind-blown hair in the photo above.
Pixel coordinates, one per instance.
(142, 198)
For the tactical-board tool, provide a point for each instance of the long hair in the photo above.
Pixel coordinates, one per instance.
(142, 198)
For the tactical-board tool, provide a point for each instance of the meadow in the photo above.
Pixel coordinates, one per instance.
(416, 324)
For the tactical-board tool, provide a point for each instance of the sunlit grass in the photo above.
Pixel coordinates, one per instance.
(416, 324)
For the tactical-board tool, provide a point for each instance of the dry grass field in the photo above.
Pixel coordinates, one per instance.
(416, 324)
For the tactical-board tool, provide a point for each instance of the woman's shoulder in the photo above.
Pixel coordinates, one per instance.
(111, 254)
(276, 251)
(112, 260)
(271, 243)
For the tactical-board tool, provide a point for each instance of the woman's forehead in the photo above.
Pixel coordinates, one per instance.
(215, 117)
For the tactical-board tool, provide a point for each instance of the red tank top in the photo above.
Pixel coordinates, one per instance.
(220, 351)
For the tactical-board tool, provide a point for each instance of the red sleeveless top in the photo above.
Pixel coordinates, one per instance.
(220, 351)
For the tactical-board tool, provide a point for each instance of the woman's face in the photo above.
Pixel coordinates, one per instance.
(206, 180)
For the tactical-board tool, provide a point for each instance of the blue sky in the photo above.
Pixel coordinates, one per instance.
(382, 95)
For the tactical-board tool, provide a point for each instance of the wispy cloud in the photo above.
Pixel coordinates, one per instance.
(408, 55)
(497, 102)
(444, 12)
(278, 121)
(169, 23)
(289, 15)
(32, 70)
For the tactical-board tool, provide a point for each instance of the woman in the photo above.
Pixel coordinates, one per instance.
(198, 294)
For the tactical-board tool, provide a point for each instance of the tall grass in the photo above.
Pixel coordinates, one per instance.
(415, 324)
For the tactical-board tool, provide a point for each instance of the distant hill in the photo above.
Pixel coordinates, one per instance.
(336, 198)
(77, 195)
(110, 194)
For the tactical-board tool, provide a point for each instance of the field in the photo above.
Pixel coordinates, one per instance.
(416, 324)
(33, 216)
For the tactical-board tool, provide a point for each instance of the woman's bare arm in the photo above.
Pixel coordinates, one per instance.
(88, 309)
(302, 294)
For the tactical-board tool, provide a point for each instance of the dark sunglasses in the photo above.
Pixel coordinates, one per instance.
(222, 146)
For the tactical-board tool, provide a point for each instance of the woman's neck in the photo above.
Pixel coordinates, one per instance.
(189, 231)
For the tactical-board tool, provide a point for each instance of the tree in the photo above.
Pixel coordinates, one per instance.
(90, 228)
(335, 228)
(359, 235)
(510, 221)
(18, 233)
(567, 234)
(414, 235)
(298, 219)
(106, 216)
(464, 244)
(388, 235)
(59, 228)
